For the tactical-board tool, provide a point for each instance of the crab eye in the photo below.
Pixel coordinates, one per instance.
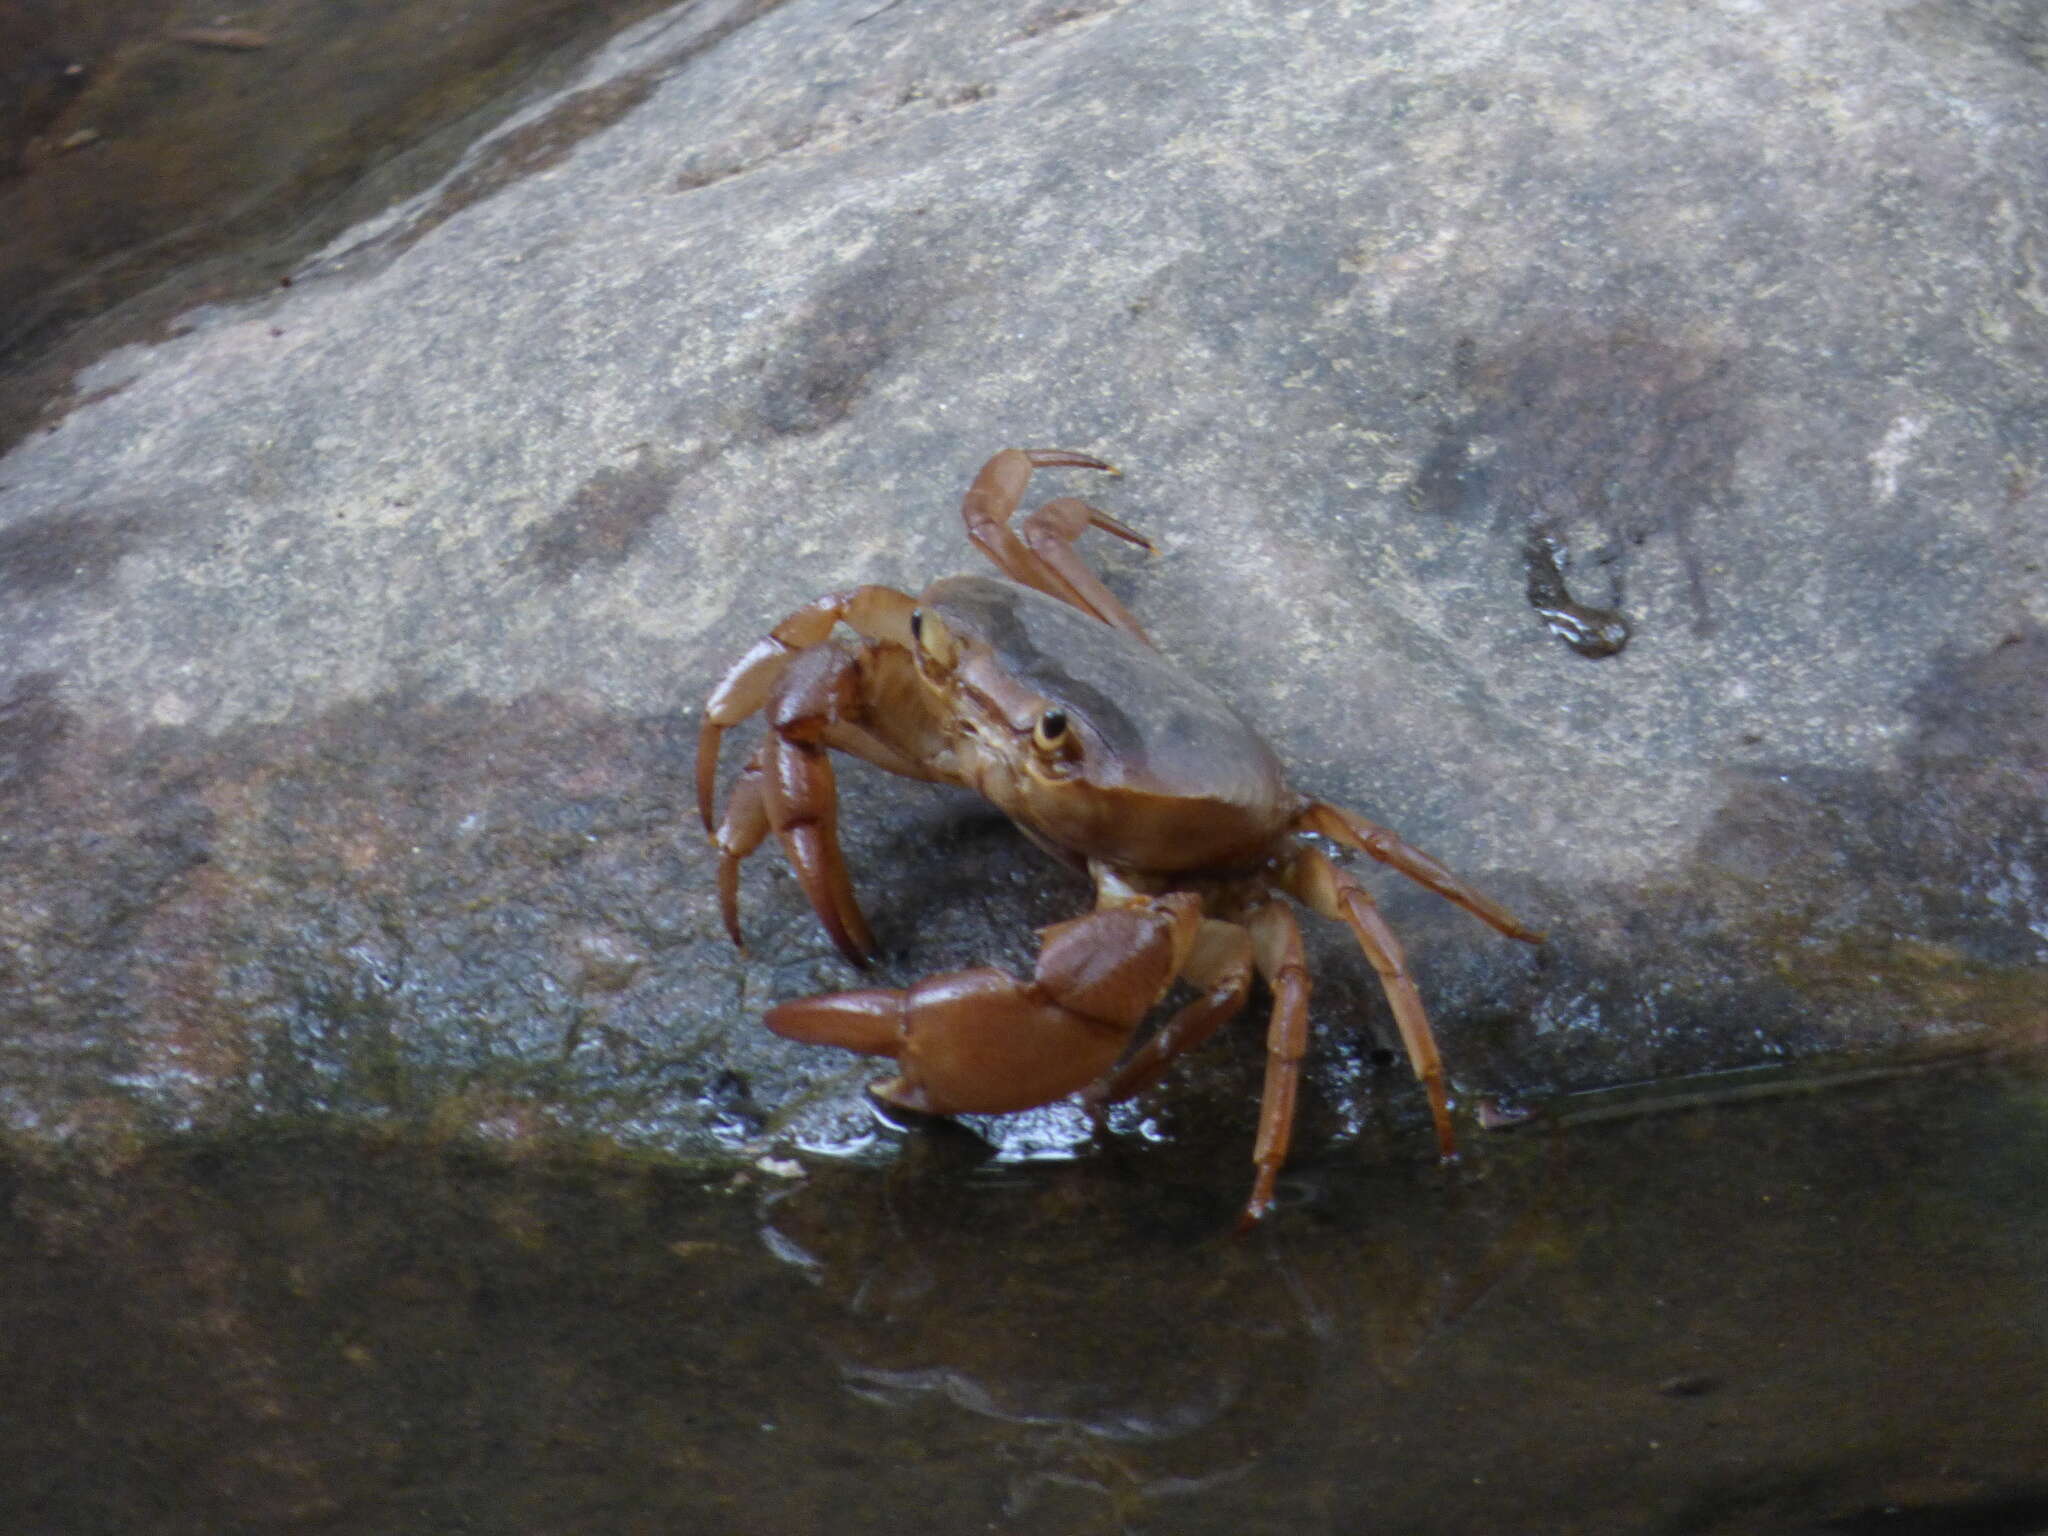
(1050, 734)
(933, 641)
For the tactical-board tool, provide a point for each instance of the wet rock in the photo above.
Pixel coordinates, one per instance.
(350, 640)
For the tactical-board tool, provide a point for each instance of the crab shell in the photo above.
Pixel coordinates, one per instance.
(1154, 772)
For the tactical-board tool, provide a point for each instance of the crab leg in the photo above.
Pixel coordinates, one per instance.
(982, 1042)
(799, 795)
(1221, 963)
(877, 613)
(1335, 892)
(740, 831)
(1039, 552)
(1369, 837)
(1276, 941)
(1050, 533)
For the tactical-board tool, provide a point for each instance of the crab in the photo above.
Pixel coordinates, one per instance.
(1045, 695)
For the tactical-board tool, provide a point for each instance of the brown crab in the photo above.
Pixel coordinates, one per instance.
(1043, 694)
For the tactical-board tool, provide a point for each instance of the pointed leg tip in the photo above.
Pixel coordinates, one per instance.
(860, 957)
(1446, 1135)
(1446, 1146)
(1259, 1204)
(899, 1096)
(855, 939)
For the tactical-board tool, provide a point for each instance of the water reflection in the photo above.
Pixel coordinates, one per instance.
(1769, 1314)
(1101, 1314)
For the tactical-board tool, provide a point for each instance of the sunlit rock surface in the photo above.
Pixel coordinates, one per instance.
(350, 641)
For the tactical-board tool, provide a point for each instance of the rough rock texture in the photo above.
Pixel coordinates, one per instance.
(350, 641)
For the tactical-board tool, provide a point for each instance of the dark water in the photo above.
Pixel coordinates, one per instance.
(1826, 1311)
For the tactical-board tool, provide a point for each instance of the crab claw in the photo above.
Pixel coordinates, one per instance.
(982, 1042)
(1039, 551)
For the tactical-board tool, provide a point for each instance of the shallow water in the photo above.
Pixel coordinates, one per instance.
(1819, 1312)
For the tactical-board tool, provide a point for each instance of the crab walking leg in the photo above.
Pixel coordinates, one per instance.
(740, 831)
(801, 794)
(745, 824)
(1276, 941)
(1221, 963)
(1050, 533)
(1382, 843)
(1334, 892)
(877, 613)
(992, 500)
(983, 1042)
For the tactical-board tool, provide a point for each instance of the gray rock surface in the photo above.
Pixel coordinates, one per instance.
(350, 641)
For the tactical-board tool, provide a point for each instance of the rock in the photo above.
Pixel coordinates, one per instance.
(353, 637)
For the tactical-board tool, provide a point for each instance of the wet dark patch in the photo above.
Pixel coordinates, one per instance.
(1444, 484)
(1896, 906)
(837, 345)
(698, 177)
(1921, 871)
(33, 725)
(1601, 443)
(1062, 13)
(1979, 714)
(604, 521)
(977, 891)
(56, 550)
(1590, 631)
(400, 906)
(466, 911)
